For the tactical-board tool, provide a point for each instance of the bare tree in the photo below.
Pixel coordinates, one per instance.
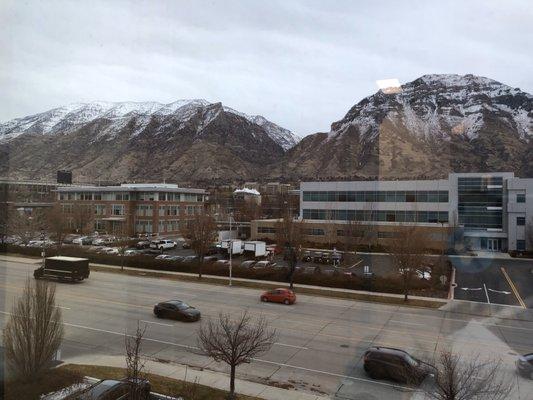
(25, 226)
(82, 218)
(34, 331)
(474, 379)
(353, 236)
(201, 231)
(235, 342)
(529, 235)
(57, 223)
(134, 362)
(408, 251)
(122, 242)
(289, 235)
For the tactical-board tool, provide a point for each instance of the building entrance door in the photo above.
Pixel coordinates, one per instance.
(493, 244)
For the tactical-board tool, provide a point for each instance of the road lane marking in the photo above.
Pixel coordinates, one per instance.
(421, 337)
(513, 287)
(291, 345)
(360, 307)
(406, 388)
(156, 323)
(254, 359)
(486, 293)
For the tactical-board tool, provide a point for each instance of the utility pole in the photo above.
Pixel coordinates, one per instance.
(230, 248)
(42, 245)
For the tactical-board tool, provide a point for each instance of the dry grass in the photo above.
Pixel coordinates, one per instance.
(51, 381)
(160, 384)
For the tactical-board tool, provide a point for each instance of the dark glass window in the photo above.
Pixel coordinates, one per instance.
(521, 221)
(520, 198)
(521, 245)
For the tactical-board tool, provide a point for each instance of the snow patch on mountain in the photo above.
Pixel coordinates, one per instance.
(68, 118)
(432, 102)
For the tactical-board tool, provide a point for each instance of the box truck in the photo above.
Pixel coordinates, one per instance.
(63, 268)
(257, 247)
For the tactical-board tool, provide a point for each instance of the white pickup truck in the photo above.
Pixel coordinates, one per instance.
(164, 244)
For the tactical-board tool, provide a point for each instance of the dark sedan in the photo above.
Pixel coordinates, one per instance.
(524, 364)
(176, 309)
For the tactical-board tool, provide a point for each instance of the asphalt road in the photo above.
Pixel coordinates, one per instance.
(495, 281)
(320, 340)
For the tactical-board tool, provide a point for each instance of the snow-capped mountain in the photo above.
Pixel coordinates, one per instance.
(73, 116)
(184, 140)
(428, 127)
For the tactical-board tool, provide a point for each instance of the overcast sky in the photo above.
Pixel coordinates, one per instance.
(301, 64)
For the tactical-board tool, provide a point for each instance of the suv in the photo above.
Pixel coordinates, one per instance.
(163, 244)
(394, 364)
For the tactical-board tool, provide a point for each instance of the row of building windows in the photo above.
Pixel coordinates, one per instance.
(125, 196)
(266, 229)
(382, 216)
(391, 196)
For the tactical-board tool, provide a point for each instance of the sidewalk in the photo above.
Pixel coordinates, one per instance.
(361, 295)
(218, 380)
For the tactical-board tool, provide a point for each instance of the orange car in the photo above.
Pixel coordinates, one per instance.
(285, 296)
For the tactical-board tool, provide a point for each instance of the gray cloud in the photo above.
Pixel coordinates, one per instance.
(302, 64)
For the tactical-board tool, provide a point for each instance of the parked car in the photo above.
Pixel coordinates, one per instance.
(163, 244)
(110, 389)
(222, 263)
(307, 257)
(394, 364)
(210, 258)
(190, 259)
(163, 257)
(83, 240)
(40, 243)
(281, 295)
(524, 365)
(176, 309)
(264, 264)
(131, 252)
(103, 240)
(176, 258)
(248, 263)
(143, 244)
(185, 245)
(69, 238)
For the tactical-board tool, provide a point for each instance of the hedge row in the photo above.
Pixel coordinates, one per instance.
(377, 284)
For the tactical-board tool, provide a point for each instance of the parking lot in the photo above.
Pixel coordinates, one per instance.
(494, 280)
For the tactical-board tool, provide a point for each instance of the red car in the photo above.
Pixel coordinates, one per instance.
(285, 296)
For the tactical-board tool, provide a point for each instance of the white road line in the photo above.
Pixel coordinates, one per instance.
(63, 308)
(156, 323)
(408, 323)
(486, 293)
(338, 375)
(291, 345)
(254, 359)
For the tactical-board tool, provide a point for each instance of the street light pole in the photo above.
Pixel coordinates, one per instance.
(230, 250)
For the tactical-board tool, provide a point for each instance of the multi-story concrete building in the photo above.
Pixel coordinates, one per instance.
(134, 208)
(476, 210)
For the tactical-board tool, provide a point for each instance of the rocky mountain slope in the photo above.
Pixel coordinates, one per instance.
(424, 129)
(427, 128)
(184, 140)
